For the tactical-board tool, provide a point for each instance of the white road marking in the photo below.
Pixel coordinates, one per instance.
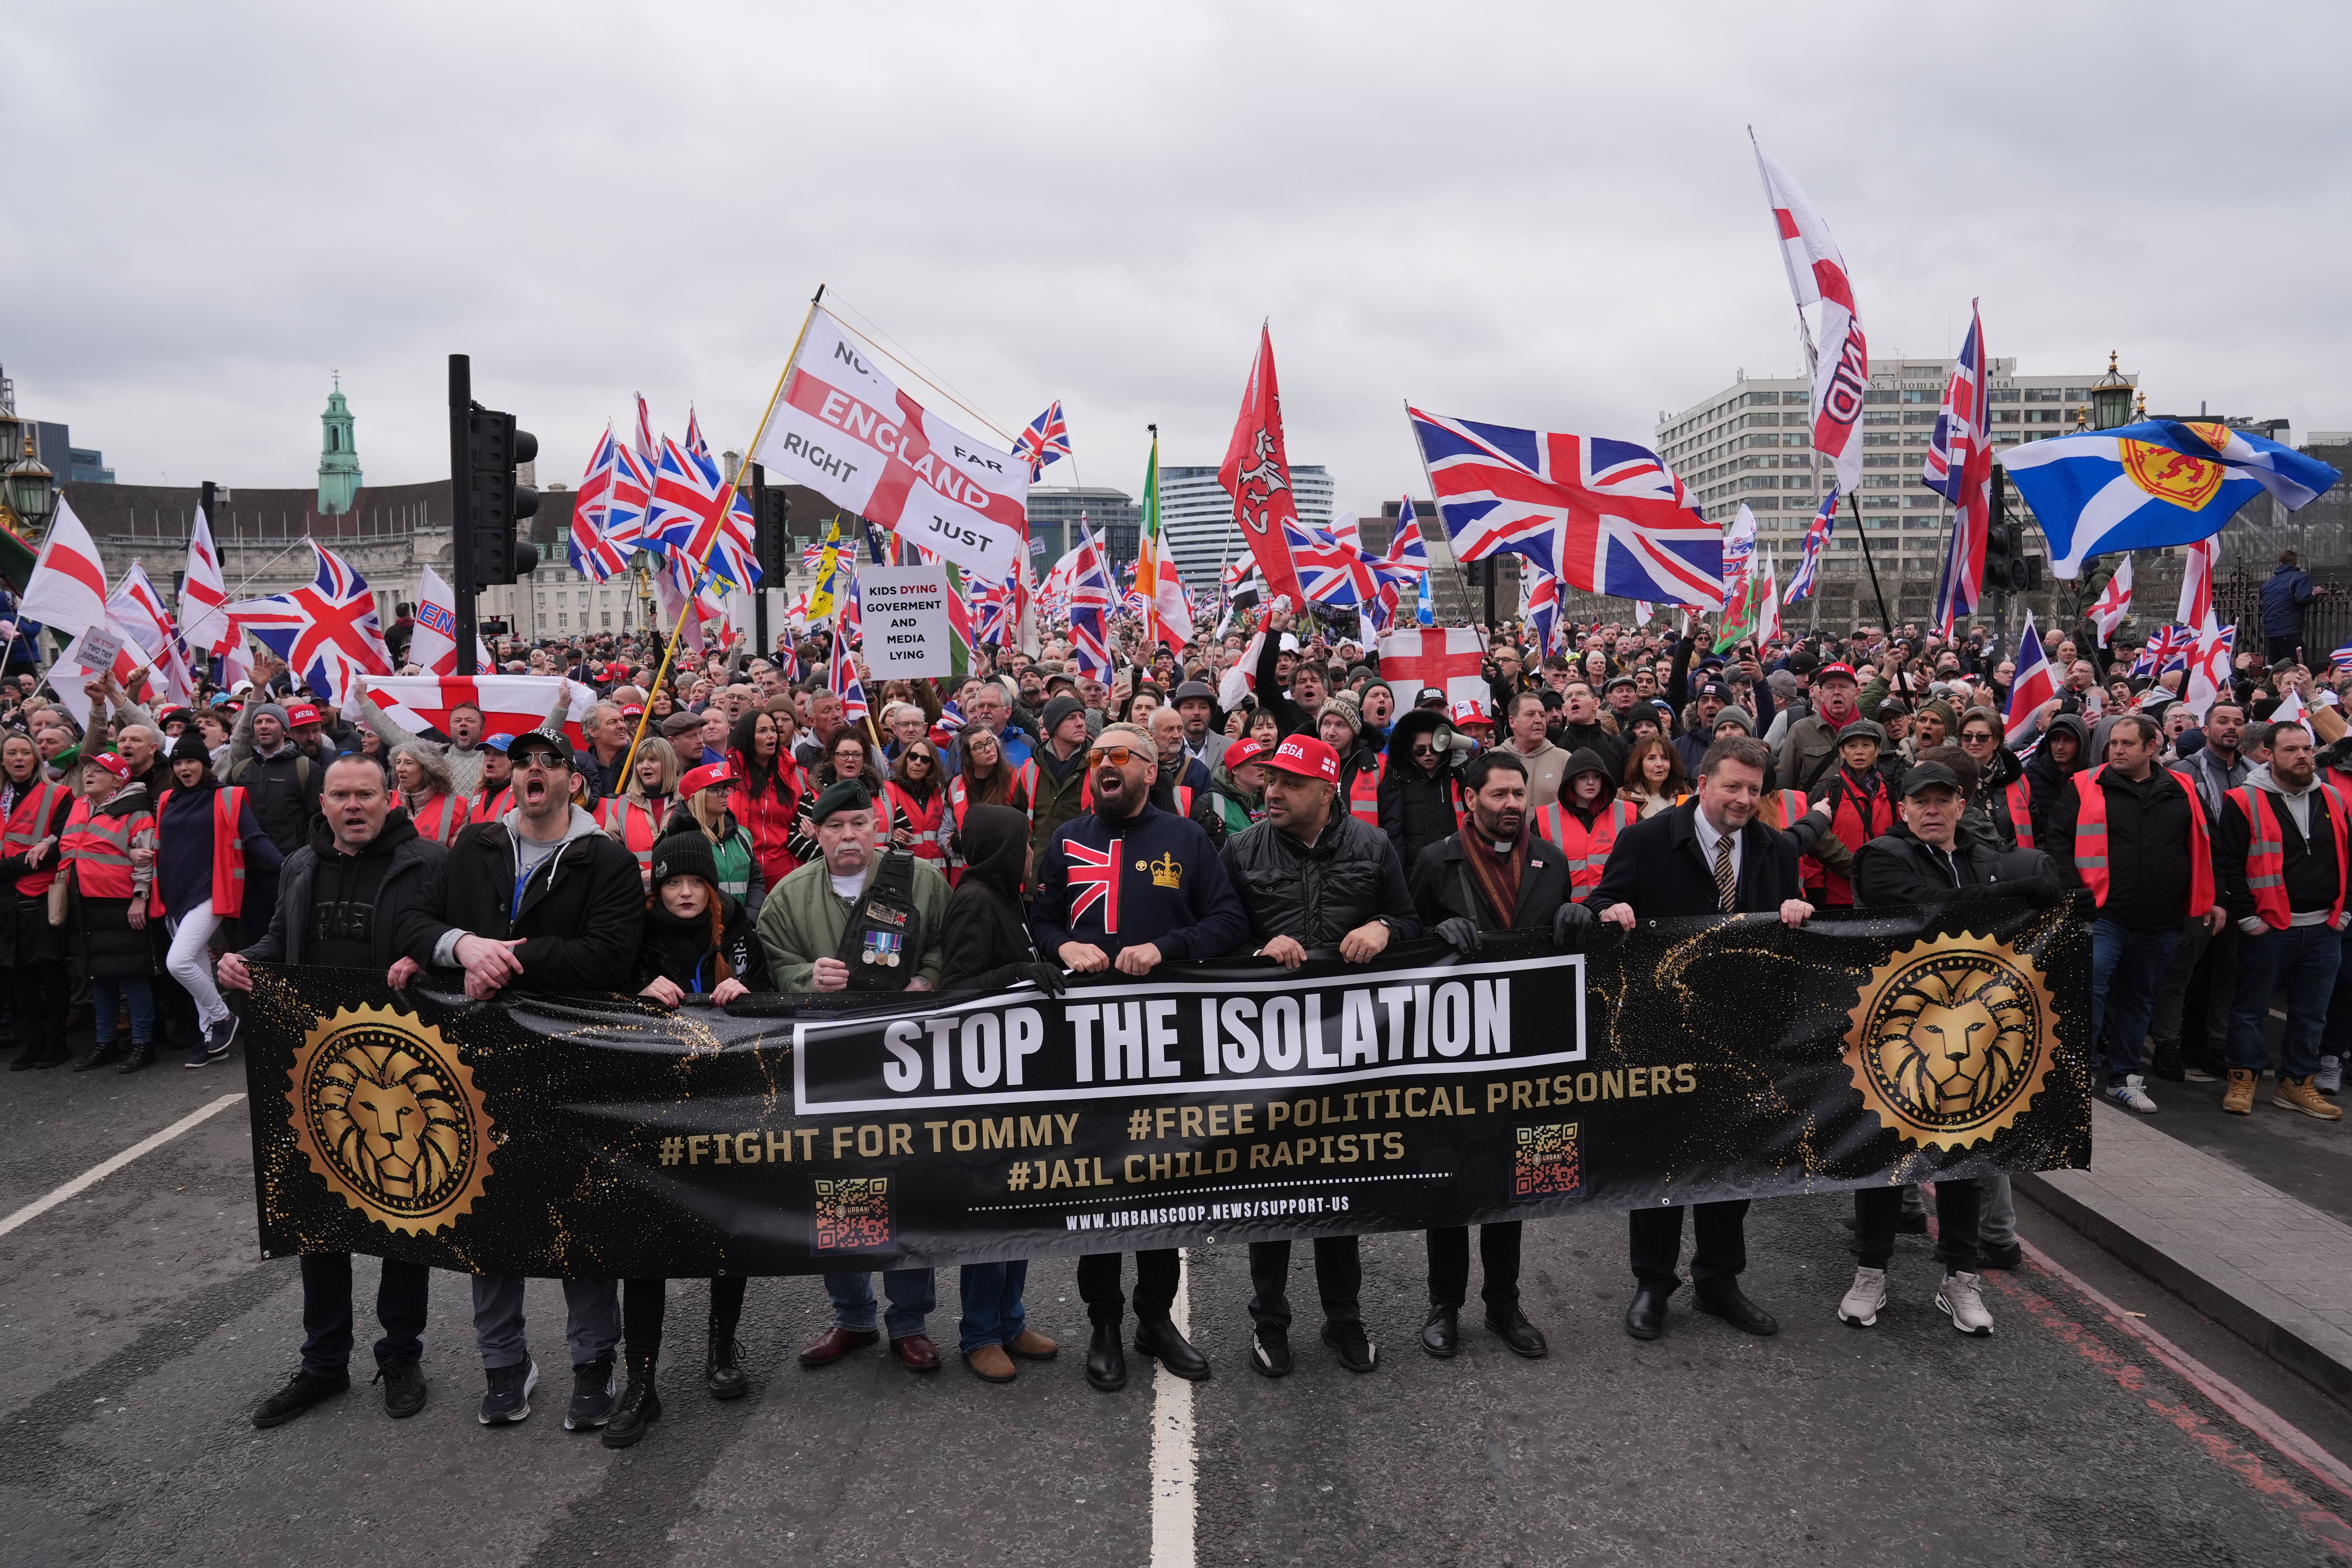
(100, 1172)
(1173, 1502)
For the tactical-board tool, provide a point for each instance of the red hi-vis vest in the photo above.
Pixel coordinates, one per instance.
(493, 804)
(442, 818)
(2019, 800)
(27, 825)
(1780, 809)
(2091, 840)
(926, 821)
(639, 822)
(2266, 854)
(100, 849)
(228, 853)
(1364, 790)
(1588, 848)
(1853, 828)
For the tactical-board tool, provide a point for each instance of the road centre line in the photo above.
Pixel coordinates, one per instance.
(106, 1168)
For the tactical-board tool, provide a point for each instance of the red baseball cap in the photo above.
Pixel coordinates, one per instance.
(1241, 754)
(113, 765)
(301, 713)
(631, 710)
(1828, 671)
(703, 777)
(1305, 756)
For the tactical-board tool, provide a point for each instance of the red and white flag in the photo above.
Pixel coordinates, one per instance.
(1449, 660)
(2115, 602)
(433, 645)
(510, 704)
(204, 593)
(66, 587)
(135, 610)
(2209, 666)
(847, 432)
(1817, 275)
(2196, 580)
(1256, 474)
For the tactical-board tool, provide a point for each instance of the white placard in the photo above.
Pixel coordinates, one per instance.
(902, 613)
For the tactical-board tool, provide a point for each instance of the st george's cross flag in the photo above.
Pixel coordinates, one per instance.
(2114, 602)
(510, 704)
(326, 631)
(2158, 482)
(1817, 275)
(204, 593)
(1450, 660)
(2294, 711)
(135, 612)
(1604, 516)
(847, 431)
(2197, 580)
(2209, 665)
(66, 587)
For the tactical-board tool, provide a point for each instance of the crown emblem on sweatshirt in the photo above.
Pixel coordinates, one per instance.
(1165, 872)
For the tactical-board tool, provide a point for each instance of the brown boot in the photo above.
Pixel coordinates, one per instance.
(990, 1364)
(2237, 1099)
(2296, 1094)
(1030, 1345)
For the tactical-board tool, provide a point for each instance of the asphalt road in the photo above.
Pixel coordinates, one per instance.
(143, 1329)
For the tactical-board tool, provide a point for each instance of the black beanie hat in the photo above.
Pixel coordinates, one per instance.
(1058, 710)
(685, 854)
(191, 748)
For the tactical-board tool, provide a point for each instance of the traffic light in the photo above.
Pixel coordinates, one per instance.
(495, 502)
(1995, 571)
(772, 530)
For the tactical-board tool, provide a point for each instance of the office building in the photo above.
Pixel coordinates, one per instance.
(1197, 515)
(1114, 517)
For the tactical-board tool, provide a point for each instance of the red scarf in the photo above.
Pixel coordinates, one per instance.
(1498, 876)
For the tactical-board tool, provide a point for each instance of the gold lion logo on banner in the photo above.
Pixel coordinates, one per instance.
(1951, 1039)
(388, 1116)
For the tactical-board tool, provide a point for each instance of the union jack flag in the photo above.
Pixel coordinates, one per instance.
(1047, 440)
(2169, 647)
(2341, 656)
(694, 441)
(1330, 571)
(1092, 597)
(1816, 540)
(686, 519)
(1094, 879)
(991, 611)
(648, 455)
(137, 609)
(327, 633)
(841, 670)
(610, 516)
(1959, 468)
(1539, 607)
(1604, 516)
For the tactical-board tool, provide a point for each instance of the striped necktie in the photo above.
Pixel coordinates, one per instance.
(1727, 886)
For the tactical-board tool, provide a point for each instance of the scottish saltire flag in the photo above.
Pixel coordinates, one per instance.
(2158, 482)
(2113, 602)
(1602, 516)
(1047, 440)
(327, 632)
(2029, 687)
(1959, 468)
(1816, 540)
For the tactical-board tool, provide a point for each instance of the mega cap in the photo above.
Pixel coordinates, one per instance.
(1307, 757)
(301, 716)
(1832, 672)
(1243, 752)
(122, 769)
(704, 777)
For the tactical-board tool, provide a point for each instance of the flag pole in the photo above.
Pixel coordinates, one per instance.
(1902, 676)
(702, 567)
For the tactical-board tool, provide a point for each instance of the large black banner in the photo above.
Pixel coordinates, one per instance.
(1685, 1061)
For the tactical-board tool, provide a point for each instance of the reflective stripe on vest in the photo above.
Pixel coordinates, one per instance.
(2021, 812)
(442, 821)
(926, 823)
(2091, 823)
(27, 825)
(1364, 792)
(1781, 808)
(100, 849)
(228, 853)
(2266, 854)
(639, 821)
(1587, 848)
(1853, 828)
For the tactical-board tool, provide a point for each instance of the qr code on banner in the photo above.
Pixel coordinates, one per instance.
(1548, 1164)
(853, 1214)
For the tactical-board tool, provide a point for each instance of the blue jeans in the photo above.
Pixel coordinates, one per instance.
(912, 1295)
(2304, 959)
(2126, 967)
(2338, 1041)
(106, 998)
(992, 1310)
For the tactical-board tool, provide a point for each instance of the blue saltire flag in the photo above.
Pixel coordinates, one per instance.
(2163, 481)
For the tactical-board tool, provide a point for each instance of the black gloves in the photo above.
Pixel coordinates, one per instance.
(1460, 934)
(1046, 977)
(1570, 926)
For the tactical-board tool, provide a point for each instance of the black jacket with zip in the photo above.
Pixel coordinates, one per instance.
(403, 926)
(580, 915)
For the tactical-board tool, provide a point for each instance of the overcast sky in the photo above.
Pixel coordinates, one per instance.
(1537, 215)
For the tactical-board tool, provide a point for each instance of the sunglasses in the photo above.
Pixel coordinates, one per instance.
(1116, 756)
(546, 762)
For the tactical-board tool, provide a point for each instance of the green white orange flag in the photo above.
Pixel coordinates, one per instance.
(1155, 581)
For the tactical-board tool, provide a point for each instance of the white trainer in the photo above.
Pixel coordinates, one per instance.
(2330, 1080)
(1863, 1298)
(2132, 1094)
(1962, 1300)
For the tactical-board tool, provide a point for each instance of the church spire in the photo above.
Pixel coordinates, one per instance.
(339, 457)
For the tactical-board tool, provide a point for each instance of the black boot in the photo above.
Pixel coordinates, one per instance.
(30, 1057)
(639, 1408)
(720, 1373)
(142, 1054)
(109, 1052)
(1106, 1359)
(2167, 1064)
(1156, 1336)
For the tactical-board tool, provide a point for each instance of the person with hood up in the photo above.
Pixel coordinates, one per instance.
(698, 944)
(106, 910)
(1418, 803)
(209, 848)
(988, 948)
(2066, 751)
(1585, 820)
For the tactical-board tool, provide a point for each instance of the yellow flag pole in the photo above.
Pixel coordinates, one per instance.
(702, 567)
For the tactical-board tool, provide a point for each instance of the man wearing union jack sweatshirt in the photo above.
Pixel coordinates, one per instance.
(1129, 886)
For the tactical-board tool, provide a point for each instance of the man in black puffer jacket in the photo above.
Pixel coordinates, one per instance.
(1313, 876)
(1417, 791)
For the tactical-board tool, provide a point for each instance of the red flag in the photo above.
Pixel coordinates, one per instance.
(1256, 474)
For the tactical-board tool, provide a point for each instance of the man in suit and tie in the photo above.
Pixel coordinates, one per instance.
(1709, 856)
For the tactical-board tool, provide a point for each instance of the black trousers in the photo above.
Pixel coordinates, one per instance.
(1499, 1261)
(37, 991)
(1339, 1279)
(1722, 1253)
(1156, 1275)
(645, 1303)
(400, 1298)
(1959, 1208)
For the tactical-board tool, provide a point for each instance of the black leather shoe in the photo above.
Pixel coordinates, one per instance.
(105, 1055)
(1645, 1318)
(1106, 1360)
(2167, 1064)
(1159, 1339)
(1523, 1337)
(1442, 1335)
(141, 1057)
(1737, 1309)
(721, 1373)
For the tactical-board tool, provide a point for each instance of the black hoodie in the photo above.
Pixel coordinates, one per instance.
(2044, 775)
(1587, 760)
(345, 891)
(985, 937)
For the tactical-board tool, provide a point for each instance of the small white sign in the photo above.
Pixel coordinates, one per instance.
(903, 618)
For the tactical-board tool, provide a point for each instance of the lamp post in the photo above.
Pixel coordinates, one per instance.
(2111, 398)
(32, 489)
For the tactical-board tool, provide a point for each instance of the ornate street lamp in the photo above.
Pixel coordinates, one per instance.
(32, 489)
(2111, 399)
